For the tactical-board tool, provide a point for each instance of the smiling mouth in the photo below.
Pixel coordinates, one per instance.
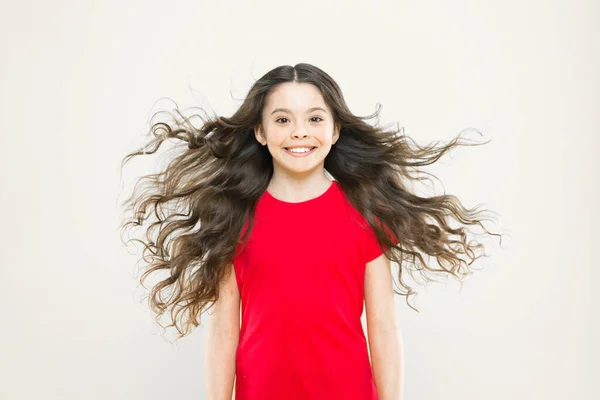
(311, 148)
(299, 153)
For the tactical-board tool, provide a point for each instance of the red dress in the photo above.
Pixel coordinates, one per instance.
(301, 280)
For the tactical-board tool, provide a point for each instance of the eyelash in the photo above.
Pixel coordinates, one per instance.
(286, 118)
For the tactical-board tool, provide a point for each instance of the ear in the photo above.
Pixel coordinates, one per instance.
(259, 134)
(336, 133)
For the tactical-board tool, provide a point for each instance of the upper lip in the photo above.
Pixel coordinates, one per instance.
(300, 146)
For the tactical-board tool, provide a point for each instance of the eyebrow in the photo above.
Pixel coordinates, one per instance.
(288, 111)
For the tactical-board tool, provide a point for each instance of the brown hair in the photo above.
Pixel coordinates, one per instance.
(210, 189)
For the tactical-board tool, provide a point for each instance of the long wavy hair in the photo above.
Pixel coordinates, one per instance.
(210, 188)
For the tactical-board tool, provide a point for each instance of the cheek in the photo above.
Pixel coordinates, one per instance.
(325, 138)
(276, 137)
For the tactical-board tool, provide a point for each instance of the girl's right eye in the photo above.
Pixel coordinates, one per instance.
(279, 119)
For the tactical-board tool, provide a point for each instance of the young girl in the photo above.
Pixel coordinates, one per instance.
(250, 220)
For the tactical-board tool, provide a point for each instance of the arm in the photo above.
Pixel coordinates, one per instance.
(384, 336)
(223, 339)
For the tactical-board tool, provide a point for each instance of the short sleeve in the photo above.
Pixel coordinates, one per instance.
(372, 247)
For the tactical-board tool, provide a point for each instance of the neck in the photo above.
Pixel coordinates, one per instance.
(295, 190)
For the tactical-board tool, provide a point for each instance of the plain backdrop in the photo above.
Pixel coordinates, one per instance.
(80, 79)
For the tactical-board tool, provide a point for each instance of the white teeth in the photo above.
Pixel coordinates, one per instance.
(299, 150)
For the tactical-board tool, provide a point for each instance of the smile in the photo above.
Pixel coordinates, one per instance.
(300, 153)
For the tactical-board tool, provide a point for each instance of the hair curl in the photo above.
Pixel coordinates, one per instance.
(208, 191)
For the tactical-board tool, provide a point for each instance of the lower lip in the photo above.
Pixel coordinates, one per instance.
(300, 154)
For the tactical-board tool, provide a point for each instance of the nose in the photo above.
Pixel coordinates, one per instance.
(300, 131)
(299, 135)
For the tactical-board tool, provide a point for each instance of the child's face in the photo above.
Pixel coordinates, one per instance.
(298, 126)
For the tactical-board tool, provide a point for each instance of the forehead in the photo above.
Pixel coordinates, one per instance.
(294, 96)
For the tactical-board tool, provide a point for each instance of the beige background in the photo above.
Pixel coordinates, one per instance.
(79, 79)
